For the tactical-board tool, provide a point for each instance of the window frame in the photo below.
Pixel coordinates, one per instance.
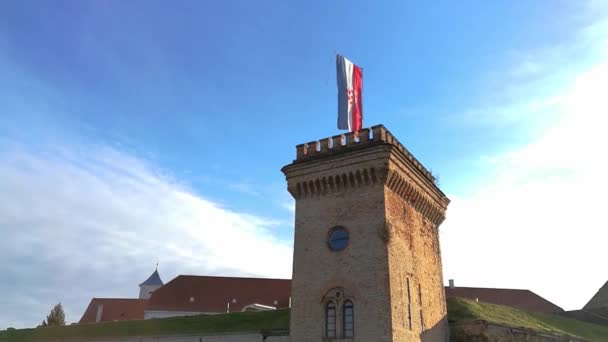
(331, 305)
(348, 304)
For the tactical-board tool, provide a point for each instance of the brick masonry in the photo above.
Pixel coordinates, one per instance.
(392, 208)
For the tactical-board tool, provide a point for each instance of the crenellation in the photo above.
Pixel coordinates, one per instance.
(337, 142)
(340, 143)
(350, 139)
(300, 151)
(364, 135)
(379, 133)
(390, 138)
(324, 145)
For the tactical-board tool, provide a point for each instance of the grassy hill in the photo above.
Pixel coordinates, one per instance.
(458, 310)
(461, 310)
(233, 322)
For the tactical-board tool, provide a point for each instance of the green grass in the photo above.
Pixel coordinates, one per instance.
(233, 322)
(461, 309)
(458, 310)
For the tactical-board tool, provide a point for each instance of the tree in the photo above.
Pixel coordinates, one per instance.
(55, 318)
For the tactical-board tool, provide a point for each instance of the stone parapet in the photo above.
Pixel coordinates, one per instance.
(355, 140)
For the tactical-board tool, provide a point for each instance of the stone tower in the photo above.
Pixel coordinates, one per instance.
(367, 264)
(150, 285)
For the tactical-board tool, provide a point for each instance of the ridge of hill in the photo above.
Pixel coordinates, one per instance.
(467, 310)
(266, 321)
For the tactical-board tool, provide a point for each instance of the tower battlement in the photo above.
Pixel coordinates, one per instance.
(418, 187)
(349, 141)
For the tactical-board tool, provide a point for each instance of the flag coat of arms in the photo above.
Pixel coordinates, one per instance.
(350, 93)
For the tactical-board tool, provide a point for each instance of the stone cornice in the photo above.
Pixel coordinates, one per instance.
(416, 197)
(337, 182)
(404, 168)
(351, 180)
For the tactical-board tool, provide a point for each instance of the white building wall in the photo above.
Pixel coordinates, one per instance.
(146, 290)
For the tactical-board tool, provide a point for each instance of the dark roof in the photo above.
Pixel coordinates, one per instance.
(519, 299)
(594, 315)
(114, 309)
(599, 300)
(211, 294)
(153, 279)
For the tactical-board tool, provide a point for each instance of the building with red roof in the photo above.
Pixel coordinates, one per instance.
(188, 295)
(520, 299)
(113, 309)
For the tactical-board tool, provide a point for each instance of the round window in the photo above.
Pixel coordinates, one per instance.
(337, 239)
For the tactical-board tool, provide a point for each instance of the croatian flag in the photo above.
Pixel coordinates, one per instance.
(350, 91)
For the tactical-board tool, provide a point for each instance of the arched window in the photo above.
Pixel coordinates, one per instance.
(348, 316)
(330, 319)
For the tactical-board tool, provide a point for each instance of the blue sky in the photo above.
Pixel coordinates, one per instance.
(137, 131)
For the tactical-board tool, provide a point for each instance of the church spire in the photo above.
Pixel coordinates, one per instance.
(153, 279)
(150, 285)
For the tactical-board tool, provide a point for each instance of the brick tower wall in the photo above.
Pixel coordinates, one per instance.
(414, 257)
(362, 268)
(415, 208)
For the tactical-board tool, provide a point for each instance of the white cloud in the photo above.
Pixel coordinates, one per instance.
(92, 222)
(243, 187)
(526, 93)
(289, 204)
(539, 221)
